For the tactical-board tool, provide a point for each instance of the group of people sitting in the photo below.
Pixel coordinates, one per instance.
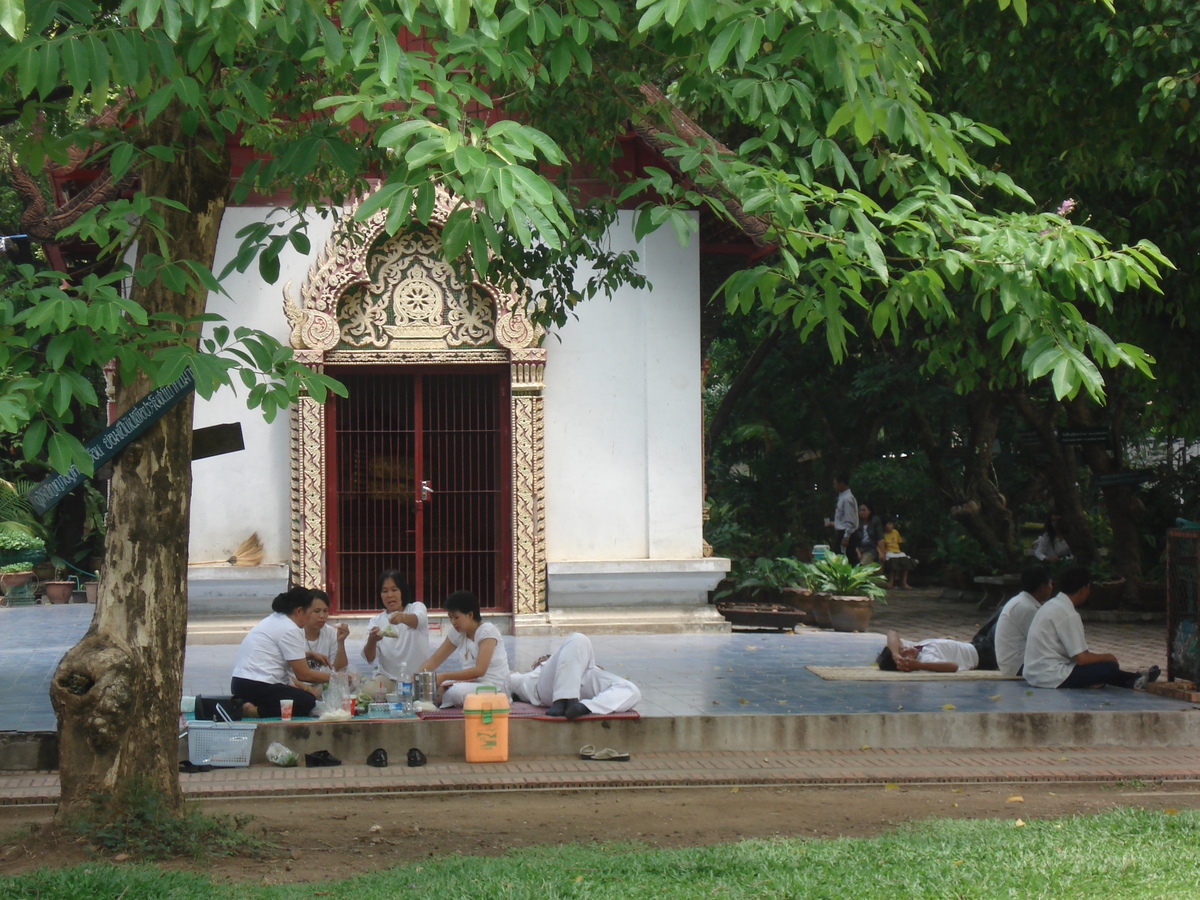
(293, 652)
(1038, 634)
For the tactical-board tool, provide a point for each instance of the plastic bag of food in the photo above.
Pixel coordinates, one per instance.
(281, 755)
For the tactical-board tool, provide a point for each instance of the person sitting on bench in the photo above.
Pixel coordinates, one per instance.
(933, 655)
(568, 677)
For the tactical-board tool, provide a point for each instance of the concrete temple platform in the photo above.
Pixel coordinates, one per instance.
(743, 692)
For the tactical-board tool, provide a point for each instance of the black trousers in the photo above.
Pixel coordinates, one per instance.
(267, 696)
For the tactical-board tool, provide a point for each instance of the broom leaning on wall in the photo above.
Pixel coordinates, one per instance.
(248, 553)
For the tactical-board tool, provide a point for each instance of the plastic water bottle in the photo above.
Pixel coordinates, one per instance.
(406, 691)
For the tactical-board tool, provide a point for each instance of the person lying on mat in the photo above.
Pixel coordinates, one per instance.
(326, 644)
(933, 655)
(398, 637)
(273, 660)
(568, 677)
(482, 649)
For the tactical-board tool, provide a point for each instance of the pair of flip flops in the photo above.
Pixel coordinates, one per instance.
(608, 754)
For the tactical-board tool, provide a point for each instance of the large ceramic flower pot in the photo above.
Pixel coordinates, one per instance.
(59, 591)
(849, 613)
(14, 579)
(801, 599)
(820, 609)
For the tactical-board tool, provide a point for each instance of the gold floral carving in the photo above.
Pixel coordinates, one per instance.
(369, 289)
(413, 357)
(372, 299)
(308, 493)
(529, 511)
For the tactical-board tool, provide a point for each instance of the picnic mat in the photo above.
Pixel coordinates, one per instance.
(522, 710)
(873, 673)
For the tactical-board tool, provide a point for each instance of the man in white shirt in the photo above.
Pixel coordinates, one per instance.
(1012, 628)
(932, 655)
(845, 515)
(1056, 652)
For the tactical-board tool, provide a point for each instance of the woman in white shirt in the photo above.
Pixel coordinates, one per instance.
(1051, 546)
(326, 645)
(273, 659)
(398, 637)
(482, 648)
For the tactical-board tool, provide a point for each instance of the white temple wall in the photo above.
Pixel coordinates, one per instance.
(623, 466)
(236, 494)
(622, 435)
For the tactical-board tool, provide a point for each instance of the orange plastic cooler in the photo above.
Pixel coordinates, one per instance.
(486, 716)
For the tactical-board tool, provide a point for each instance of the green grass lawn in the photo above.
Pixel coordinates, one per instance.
(1115, 855)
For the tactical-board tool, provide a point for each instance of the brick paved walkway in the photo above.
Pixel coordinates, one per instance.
(866, 766)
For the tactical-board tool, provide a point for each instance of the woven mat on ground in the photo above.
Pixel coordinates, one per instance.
(871, 673)
(522, 710)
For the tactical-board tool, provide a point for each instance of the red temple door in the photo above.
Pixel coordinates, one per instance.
(419, 480)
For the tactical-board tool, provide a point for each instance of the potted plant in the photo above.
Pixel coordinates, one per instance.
(764, 592)
(20, 550)
(852, 590)
(57, 590)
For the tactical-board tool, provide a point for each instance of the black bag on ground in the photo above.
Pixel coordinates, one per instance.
(206, 709)
(985, 643)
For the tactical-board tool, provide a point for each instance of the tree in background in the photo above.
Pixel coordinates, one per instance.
(864, 191)
(1097, 104)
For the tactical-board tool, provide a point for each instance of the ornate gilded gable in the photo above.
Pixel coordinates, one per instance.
(369, 291)
(414, 300)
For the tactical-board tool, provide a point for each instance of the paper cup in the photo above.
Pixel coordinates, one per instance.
(285, 709)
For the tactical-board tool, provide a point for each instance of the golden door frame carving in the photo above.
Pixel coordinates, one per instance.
(371, 299)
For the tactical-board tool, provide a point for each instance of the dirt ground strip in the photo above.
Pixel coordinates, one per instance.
(316, 839)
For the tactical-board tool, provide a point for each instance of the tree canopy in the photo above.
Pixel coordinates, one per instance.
(880, 214)
(873, 199)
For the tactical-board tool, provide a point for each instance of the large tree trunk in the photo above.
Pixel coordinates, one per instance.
(1062, 470)
(116, 693)
(976, 503)
(1121, 502)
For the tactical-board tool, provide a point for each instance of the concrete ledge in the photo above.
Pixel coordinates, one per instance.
(632, 582)
(529, 738)
(623, 620)
(534, 738)
(22, 751)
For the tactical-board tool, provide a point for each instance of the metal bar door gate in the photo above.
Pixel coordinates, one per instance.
(420, 480)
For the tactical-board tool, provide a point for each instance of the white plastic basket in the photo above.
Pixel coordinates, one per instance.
(220, 743)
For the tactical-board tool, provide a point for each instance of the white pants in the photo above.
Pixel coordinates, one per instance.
(457, 693)
(571, 672)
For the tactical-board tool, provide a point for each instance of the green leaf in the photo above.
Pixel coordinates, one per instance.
(33, 439)
(61, 451)
(12, 18)
(456, 233)
(718, 51)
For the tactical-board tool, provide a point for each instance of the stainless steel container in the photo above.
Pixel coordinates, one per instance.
(425, 686)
